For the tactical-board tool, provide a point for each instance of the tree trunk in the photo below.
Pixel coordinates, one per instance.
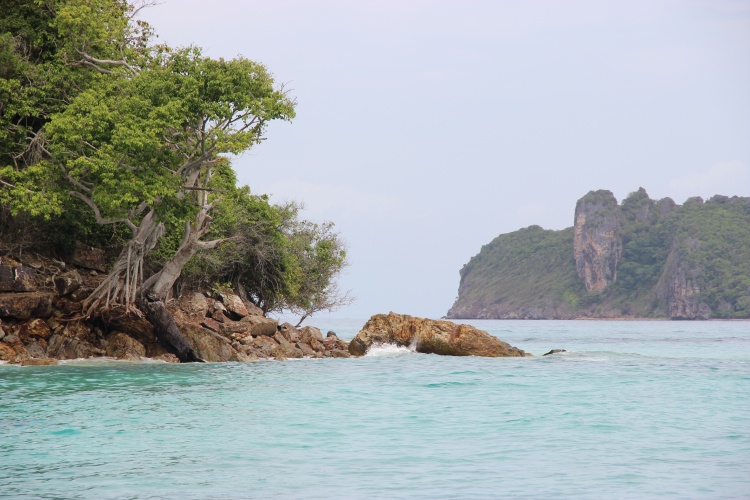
(166, 329)
(155, 290)
(122, 282)
(123, 286)
(161, 283)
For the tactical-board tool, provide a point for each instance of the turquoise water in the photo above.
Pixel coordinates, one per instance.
(634, 410)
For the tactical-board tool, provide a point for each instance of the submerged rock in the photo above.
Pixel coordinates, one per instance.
(554, 351)
(430, 337)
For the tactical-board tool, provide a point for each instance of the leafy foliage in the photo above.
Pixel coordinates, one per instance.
(279, 261)
(529, 268)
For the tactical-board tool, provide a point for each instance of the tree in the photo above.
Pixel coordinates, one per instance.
(140, 143)
(278, 261)
(321, 256)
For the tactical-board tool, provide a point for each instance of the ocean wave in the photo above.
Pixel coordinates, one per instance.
(389, 351)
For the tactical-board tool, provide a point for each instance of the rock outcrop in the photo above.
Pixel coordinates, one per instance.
(597, 246)
(40, 321)
(430, 337)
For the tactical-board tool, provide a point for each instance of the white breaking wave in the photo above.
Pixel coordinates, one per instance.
(389, 351)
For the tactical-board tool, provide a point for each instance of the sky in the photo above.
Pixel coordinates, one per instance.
(426, 128)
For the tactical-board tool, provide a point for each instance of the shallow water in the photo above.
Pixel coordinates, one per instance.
(633, 410)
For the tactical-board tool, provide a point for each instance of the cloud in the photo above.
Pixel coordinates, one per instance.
(326, 200)
(727, 178)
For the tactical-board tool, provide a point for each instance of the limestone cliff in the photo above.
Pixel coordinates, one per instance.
(597, 246)
(641, 258)
(679, 286)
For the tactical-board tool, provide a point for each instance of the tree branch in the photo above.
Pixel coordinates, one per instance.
(97, 63)
(98, 214)
(206, 245)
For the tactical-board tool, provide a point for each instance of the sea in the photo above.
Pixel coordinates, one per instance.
(632, 410)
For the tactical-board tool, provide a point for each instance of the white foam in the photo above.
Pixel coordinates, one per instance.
(389, 351)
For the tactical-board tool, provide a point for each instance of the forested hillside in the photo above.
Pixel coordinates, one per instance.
(642, 258)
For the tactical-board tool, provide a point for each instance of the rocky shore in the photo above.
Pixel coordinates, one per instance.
(42, 322)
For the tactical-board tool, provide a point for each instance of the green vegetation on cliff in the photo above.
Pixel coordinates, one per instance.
(683, 262)
(529, 267)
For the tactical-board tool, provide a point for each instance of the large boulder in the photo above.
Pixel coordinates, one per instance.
(17, 279)
(35, 328)
(209, 346)
(89, 257)
(308, 333)
(7, 353)
(14, 342)
(62, 347)
(265, 345)
(234, 306)
(67, 283)
(25, 305)
(36, 348)
(252, 309)
(289, 332)
(285, 349)
(261, 325)
(194, 303)
(430, 336)
(217, 310)
(122, 346)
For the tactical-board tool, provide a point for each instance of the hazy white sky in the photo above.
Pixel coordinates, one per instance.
(426, 128)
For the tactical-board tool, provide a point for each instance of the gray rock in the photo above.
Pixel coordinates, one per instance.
(36, 350)
(194, 303)
(68, 283)
(289, 332)
(61, 347)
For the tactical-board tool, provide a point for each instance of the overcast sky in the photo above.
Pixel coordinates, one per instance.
(426, 128)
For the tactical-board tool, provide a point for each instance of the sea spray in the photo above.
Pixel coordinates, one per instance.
(389, 351)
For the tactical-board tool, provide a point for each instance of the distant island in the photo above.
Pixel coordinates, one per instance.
(642, 258)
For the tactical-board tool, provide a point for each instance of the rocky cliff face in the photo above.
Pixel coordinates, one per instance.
(597, 246)
(679, 286)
